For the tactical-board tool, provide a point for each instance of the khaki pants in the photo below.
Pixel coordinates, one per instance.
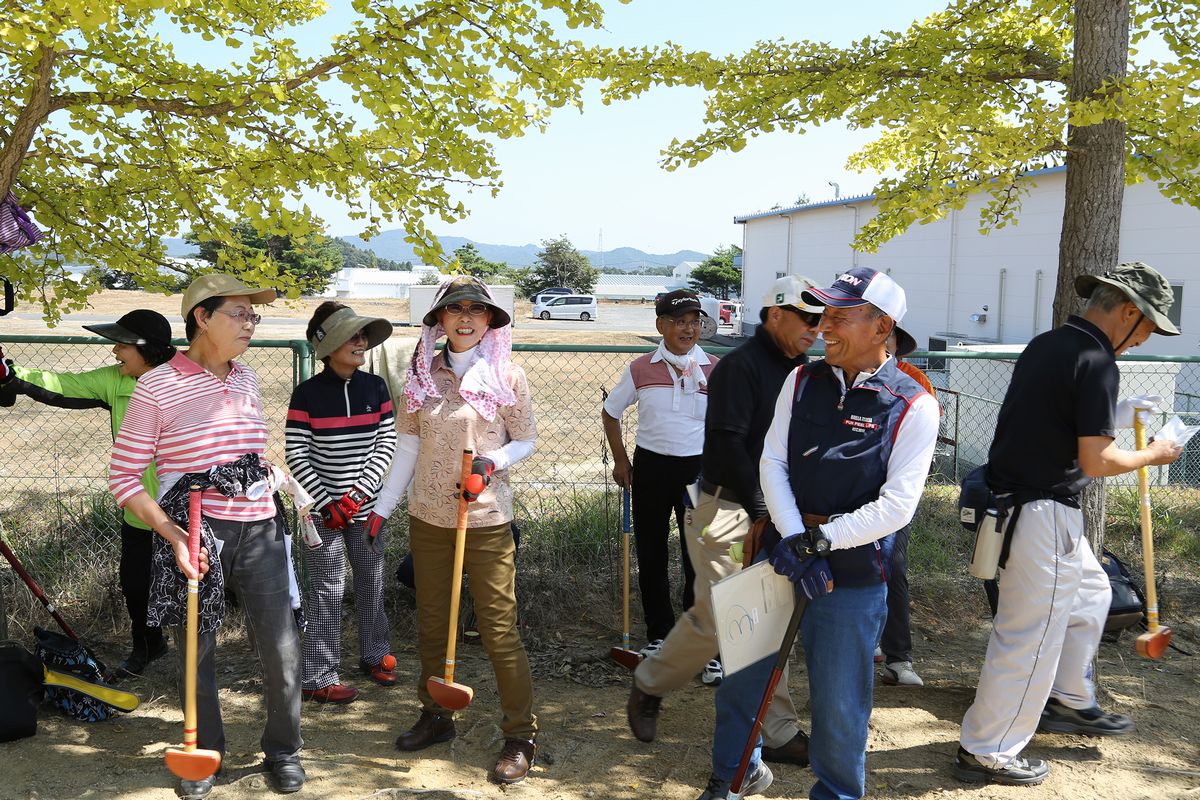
(489, 561)
(693, 640)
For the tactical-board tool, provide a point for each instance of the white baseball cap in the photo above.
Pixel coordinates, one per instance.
(789, 291)
(863, 285)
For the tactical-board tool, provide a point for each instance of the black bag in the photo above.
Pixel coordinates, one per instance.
(20, 691)
(974, 499)
(64, 654)
(1128, 606)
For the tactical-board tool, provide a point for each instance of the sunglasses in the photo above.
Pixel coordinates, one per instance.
(474, 309)
(810, 319)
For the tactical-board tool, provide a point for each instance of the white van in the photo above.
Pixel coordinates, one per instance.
(570, 306)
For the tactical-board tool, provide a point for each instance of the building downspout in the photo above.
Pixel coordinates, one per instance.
(1000, 307)
(853, 236)
(1037, 300)
(788, 258)
(952, 269)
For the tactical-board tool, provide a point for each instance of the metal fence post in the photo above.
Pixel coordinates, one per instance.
(302, 358)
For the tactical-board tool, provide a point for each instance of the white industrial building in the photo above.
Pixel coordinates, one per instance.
(964, 286)
(622, 286)
(362, 282)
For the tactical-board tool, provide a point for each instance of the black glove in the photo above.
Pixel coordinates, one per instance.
(483, 467)
(813, 542)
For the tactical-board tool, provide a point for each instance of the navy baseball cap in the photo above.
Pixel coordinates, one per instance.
(861, 286)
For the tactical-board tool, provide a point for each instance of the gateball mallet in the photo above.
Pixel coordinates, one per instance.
(1154, 642)
(444, 690)
(624, 655)
(190, 762)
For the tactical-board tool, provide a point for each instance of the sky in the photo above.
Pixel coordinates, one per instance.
(595, 176)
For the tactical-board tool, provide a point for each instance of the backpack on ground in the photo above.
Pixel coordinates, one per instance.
(61, 653)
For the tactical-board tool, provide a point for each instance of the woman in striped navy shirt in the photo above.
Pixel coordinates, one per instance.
(341, 435)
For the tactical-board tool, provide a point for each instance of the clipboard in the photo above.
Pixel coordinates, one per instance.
(751, 609)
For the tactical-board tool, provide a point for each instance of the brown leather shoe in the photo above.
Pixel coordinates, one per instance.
(515, 761)
(794, 751)
(334, 693)
(642, 711)
(429, 730)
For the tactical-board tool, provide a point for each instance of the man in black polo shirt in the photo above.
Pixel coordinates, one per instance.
(742, 392)
(1055, 432)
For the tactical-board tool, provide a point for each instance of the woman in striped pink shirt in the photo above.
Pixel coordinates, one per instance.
(203, 409)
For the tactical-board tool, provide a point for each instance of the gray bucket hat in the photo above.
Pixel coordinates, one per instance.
(1143, 285)
(466, 290)
(339, 326)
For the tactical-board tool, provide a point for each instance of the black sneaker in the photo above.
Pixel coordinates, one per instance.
(1018, 772)
(1058, 718)
(756, 783)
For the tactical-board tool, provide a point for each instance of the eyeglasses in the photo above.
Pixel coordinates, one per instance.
(475, 309)
(243, 316)
(686, 323)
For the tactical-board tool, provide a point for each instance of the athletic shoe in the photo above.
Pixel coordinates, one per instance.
(900, 673)
(1018, 772)
(337, 693)
(1058, 718)
(713, 674)
(878, 657)
(756, 783)
(652, 648)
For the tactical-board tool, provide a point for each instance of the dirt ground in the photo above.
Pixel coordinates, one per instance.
(586, 748)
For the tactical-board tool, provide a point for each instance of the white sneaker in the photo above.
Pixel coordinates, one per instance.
(878, 658)
(652, 648)
(900, 673)
(713, 673)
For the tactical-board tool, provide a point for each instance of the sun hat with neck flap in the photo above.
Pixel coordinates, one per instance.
(467, 290)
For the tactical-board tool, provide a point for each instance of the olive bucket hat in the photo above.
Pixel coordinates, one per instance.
(466, 290)
(342, 324)
(1143, 284)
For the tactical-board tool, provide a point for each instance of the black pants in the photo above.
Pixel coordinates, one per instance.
(896, 642)
(658, 489)
(136, 547)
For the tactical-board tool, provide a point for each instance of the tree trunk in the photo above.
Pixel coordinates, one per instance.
(1095, 160)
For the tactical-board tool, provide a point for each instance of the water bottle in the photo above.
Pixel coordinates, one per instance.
(989, 540)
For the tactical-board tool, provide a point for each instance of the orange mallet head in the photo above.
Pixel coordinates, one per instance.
(454, 696)
(1152, 644)
(194, 764)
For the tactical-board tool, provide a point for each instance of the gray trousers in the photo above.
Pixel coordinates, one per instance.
(254, 562)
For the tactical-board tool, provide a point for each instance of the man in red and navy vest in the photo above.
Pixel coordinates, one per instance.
(843, 466)
(670, 388)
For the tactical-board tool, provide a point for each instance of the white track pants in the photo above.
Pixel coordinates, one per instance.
(1054, 599)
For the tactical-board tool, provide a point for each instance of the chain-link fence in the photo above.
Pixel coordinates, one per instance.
(61, 520)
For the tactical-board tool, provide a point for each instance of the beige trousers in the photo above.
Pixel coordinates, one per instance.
(711, 528)
(489, 561)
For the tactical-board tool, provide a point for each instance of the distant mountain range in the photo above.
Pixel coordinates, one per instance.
(391, 245)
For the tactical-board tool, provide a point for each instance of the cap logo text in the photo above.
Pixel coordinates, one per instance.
(850, 279)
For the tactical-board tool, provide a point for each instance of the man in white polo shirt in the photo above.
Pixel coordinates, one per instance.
(670, 388)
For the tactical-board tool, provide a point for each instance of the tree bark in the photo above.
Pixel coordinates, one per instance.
(1091, 227)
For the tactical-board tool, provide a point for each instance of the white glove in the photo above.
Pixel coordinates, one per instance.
(1145, 405)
